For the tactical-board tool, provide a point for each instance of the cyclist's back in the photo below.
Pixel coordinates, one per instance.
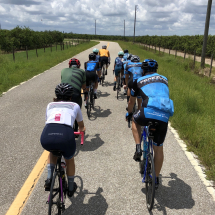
(104, 53)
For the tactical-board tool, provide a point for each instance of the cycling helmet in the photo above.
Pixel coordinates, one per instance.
(120, 53)
(74, 63)
(126, 51)
(104, 47)
(149, 65)
(92, 56)
(63, 91)
(135, 58)
(96, 51)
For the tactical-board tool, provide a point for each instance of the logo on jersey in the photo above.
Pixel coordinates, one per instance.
(153, 79)
(57, 117)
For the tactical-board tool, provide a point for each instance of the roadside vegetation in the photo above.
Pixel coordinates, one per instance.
(13, 73)
(194, 102)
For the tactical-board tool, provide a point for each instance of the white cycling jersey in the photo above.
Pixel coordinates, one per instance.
(63, 113)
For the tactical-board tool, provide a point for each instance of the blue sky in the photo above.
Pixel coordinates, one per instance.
(154, 17)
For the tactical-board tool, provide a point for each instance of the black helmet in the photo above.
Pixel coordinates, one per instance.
(126, 51)
(104, 47)
(92, 56)
(149, 65)
(63, 91)
(135, 58)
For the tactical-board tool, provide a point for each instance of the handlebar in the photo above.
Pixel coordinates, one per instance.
(82, 136)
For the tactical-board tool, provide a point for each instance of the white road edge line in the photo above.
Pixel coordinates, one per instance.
(195, 162)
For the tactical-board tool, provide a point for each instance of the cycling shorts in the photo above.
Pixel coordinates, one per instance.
(117, 72)
(130, 86)
(76, 97)
(91, 77)
(103, 59)
(161, 128)
(59, 137)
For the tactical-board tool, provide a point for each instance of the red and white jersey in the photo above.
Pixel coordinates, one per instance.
(63, 113)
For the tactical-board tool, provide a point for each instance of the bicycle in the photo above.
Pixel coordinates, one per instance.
(90, 99)
(56, 200)
(118, 85)
(147, 167)
(103, 72)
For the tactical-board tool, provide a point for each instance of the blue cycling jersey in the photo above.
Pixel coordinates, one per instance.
(91, 66)
(125, 56)
(97, 58)
(134, 70)
(118, 64)
(154, 91)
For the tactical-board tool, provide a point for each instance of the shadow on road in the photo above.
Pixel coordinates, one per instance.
(177, 195)
(102, 94)
(98, 112)
(95, 205)
(89, 144)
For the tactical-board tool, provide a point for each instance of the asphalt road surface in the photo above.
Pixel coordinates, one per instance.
(108, 178)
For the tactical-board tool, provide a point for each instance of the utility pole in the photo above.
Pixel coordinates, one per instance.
(95, 26)
(124, 29)
(135, 22)
(207, 22)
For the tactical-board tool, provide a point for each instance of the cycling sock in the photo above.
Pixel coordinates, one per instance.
(50, 168)
(70, 182)
(138, 148)
(128, 97)
(115, 83)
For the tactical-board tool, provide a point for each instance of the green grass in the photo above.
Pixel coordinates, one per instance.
(194, 102)
(13, 73)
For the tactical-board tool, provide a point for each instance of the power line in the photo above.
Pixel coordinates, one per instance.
(135, 22)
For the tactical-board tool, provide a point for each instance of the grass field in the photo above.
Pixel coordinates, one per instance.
(194, 102)
(13, 73)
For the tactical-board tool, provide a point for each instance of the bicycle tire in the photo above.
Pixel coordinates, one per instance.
(88, 105)
(118, 86)
(55, 195)
(91, 99)
(150, 182)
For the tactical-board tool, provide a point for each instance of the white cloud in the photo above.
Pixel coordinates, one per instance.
(154, 17)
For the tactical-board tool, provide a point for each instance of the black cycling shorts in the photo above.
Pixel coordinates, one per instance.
(130, 86)
(161, 128)
(76, 97)
(91, 77)
(59, 137)
(103, 59)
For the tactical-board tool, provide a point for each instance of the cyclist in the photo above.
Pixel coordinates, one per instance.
(96, 51)
(77, 78)
(125, 61)
(133, 71)
(58, 133)
(126, 54)
(156, 106)
(104, 57)
(91, 67)
(118, 68)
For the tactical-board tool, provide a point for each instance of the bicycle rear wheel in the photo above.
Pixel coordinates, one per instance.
(92, 100)
(118, 87)
(88, 105)
(56, 206)
(150, 182)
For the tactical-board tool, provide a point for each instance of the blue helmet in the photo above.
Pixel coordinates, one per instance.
(149, 65)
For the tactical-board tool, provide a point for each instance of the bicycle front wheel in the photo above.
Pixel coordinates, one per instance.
(55, 203)
(150, 182)
(88, 105)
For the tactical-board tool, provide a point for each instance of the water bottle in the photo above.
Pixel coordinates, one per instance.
(145, 145)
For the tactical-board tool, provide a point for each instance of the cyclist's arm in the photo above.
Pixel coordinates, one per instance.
(81, 126)
(134, 92)
(85, 65)
(84, 87)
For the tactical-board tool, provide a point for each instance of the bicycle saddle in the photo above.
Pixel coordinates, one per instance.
(56, 153)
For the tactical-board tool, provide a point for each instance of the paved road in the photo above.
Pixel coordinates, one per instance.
(107, 176)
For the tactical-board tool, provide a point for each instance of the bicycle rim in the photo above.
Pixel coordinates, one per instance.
(55, 203)
(150, 183)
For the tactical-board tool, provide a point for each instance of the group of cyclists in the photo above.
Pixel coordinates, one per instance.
(141, 82)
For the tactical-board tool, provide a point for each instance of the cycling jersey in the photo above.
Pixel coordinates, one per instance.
(97, 58)
(63, 113)
(134, 70)
(153, 88)
(104, 53)
(125, 56)
(118, 64)
(91, 66)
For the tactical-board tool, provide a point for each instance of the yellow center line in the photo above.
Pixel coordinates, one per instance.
(108, 45)
(29, 185)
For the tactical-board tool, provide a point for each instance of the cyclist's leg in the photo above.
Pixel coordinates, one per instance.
(115, 79)
(158, 158)
(139, 102)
